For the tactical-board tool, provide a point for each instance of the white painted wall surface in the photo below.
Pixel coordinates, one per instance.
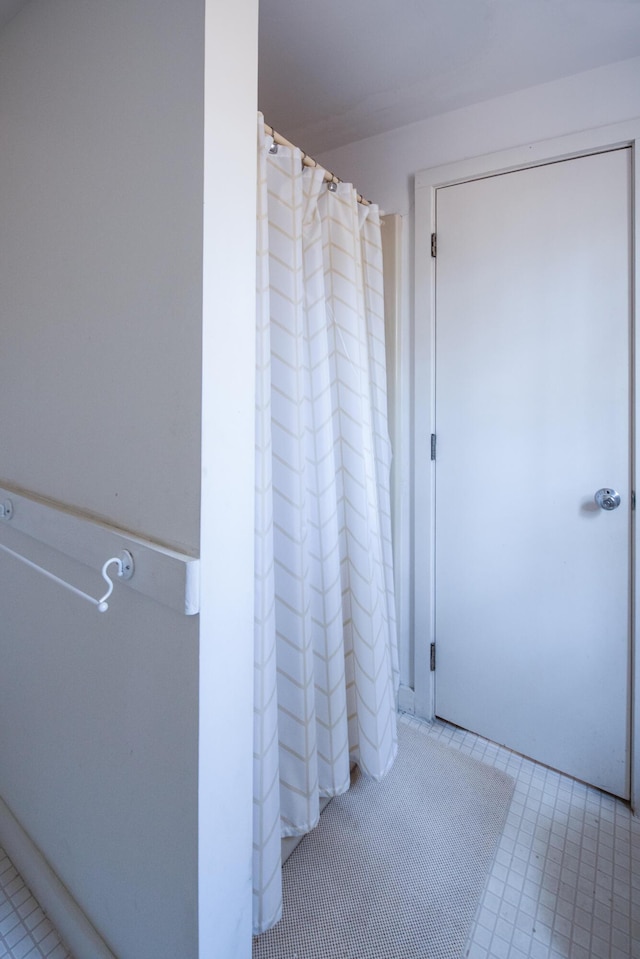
(101, 133)
(101, 259)
(225, 827)
(383, 169)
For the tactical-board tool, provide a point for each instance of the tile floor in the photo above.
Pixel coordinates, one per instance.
(25, 931)
(565, 882)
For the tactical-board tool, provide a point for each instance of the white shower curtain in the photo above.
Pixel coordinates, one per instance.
(325, 637)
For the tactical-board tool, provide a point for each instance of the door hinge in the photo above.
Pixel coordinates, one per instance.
(633, 499)
(432, 657)
(434, 245)
(433, 446)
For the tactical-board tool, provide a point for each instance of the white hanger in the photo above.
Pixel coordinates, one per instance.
(125, 571)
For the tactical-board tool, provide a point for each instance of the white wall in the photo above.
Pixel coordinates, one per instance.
(101, 139)
(383, 168)
(225, 828)
(100, 251)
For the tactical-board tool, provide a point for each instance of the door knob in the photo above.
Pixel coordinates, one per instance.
(607, 498)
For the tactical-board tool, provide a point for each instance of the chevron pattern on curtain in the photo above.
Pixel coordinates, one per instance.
(326, 668)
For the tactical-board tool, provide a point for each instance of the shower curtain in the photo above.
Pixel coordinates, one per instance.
(325, 638)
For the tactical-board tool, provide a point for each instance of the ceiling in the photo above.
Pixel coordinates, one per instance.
(337, 71)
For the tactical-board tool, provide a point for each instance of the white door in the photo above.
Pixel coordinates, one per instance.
(533, 417)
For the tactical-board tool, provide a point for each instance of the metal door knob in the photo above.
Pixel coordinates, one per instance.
(607, 498)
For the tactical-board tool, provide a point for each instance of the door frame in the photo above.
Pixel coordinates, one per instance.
(423, 392)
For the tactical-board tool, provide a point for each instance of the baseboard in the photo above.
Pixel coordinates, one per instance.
(78, 934)
(406, 700)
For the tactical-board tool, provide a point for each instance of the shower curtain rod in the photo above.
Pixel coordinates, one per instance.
(308, 161)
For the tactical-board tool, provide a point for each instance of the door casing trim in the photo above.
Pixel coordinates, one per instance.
(422, 367)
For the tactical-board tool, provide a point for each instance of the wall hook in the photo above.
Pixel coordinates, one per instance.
(125, 571)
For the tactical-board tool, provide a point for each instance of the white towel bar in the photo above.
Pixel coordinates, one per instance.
(102, 603)
(161, 574)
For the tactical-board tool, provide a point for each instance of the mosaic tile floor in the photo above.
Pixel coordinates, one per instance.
(565, 883)
(25, 931)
